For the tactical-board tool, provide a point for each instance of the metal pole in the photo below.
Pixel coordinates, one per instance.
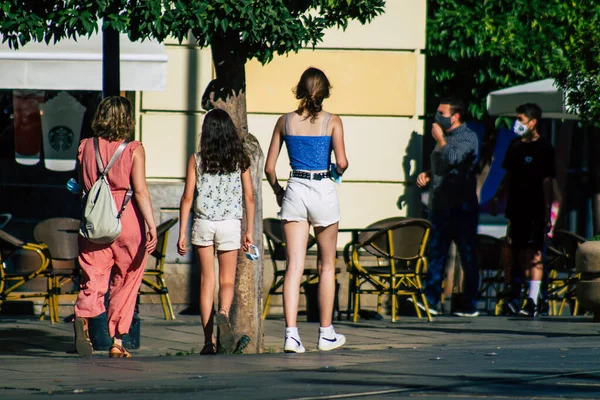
(110, 63)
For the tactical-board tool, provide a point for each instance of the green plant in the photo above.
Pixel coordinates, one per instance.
(476, 47)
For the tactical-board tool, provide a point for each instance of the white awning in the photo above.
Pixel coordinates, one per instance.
(77, 65)
(544, 93)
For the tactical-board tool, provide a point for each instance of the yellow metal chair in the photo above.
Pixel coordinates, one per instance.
(14, 256)
(562, 277)
(273, 231)
(159, 286)
(398, 250)
(60, 235)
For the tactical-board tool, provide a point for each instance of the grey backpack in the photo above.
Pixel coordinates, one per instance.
(100, 222)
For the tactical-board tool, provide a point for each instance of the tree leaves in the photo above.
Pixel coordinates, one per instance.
(265, 27)
(479, 46)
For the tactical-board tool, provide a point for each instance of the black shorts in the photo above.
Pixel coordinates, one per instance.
(527, 233)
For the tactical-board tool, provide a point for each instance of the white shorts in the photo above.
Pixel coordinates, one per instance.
(224, 235)
(311, 200)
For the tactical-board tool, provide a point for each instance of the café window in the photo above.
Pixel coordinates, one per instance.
(40, 131)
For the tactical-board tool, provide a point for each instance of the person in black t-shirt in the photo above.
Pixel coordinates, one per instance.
(530, 170)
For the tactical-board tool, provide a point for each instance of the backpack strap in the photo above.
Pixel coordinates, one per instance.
(104, 171)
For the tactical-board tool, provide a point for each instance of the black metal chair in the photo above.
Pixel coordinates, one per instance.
(491, 267)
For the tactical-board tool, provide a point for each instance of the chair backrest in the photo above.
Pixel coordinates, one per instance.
(405, 239)
(365, 236)
(489, 250)
(567, 243)
(5, 219)
(8, 245)
(162, 231)
(60, 235)
(273, 230)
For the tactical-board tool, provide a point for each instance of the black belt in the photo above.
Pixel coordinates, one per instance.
(317, 176)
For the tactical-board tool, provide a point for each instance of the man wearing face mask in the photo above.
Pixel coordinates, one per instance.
(530, 170)
(453, 205)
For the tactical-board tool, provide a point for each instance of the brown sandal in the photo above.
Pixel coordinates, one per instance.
(83, 344)
(118, 351)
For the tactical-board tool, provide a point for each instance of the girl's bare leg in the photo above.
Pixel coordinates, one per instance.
(206, 257)
(227, 268)
(296, 238)
(327, 241)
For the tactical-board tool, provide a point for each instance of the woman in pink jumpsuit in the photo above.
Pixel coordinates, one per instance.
(120, 263)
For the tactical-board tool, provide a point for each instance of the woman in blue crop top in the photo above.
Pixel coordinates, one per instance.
(310, 135)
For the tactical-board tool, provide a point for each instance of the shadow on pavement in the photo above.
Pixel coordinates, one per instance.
(33, 342)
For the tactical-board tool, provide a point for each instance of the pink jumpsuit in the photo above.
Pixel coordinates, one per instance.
(127, 254)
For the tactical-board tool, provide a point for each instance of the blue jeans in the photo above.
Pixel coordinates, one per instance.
(459, 225)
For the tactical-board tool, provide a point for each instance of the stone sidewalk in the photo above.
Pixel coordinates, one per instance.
(492, 357)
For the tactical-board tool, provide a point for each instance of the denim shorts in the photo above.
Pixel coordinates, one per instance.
(224, 235)
(315, 201)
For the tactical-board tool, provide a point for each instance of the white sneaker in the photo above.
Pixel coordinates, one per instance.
(293, 345)
(334, 341)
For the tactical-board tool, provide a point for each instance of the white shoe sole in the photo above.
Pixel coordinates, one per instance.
(333, 345)
(293, 349)
(421, 306)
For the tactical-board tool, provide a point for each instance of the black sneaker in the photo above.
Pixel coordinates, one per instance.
(529, 309)
(544, 308)
(421, 306)
(510, 307)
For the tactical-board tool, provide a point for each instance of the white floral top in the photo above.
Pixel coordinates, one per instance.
(219, 196)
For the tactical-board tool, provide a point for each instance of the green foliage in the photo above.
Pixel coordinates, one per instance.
(265, 27)
(479, 46)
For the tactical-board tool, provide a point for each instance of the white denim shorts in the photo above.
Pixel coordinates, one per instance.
(311, 200)
(224, 235)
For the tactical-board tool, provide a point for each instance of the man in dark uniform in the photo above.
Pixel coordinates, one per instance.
(529, 165)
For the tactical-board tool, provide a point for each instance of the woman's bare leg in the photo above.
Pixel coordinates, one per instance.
(327, 241)
(296, 238)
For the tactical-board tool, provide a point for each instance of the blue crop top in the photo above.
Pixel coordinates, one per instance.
(308, 153)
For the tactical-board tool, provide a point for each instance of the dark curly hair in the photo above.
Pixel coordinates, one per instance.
(311, 90)
(221, 149)
(114, 119)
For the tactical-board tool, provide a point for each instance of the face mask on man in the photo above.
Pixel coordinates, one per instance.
(520, 128)
(444, 122)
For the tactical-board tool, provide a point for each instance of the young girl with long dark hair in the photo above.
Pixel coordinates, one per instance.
(219, 173)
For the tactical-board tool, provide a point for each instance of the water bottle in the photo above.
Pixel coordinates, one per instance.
(73, 186)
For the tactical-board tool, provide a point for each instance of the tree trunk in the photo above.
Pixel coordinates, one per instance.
(228, 92)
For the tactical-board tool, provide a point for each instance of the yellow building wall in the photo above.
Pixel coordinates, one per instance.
(377, 74)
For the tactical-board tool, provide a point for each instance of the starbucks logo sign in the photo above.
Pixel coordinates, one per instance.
(61, 138)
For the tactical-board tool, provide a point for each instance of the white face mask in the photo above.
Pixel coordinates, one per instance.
(520, 128)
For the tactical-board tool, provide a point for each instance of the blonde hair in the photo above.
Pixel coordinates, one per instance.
(114, 119)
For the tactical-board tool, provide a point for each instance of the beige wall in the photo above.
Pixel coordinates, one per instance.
(377, 74)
